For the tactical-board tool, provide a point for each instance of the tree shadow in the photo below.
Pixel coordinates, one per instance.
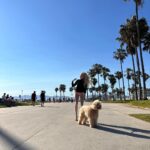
(130, 131)
(13, 142)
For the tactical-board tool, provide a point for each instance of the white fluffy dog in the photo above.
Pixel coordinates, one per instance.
(90, 113)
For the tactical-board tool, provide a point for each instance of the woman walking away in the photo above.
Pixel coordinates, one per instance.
(81, 87)
(42, 98)
(33, 98)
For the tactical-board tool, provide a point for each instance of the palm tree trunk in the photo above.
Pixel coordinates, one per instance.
(60, 95)
(98, 85)
(112, 93)
(119, 83)
(56, 95)
(105, 92)
(139, 79)
(98, 78)
(123, 81)
(92, 95)
(95, 92)
(141, 54)
(136, 95)
(129, 89)
(64, 95)
(119, 89)
(87, 94)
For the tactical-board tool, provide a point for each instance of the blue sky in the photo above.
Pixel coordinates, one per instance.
(44, 43)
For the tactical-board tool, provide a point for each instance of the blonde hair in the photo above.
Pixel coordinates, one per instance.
(85, 77)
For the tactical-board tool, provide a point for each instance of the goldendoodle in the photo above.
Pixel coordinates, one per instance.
(90, 113)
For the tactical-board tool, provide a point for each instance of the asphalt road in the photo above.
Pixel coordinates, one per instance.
(53, 127)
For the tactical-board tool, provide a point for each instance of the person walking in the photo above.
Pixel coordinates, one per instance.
(80, 90)
(4, 97)
(33, 98)
(42, 96)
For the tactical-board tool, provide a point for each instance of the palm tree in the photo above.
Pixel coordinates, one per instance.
(119, 75)
(125, 39)
(128, 34)
(104, 89)
(94, 81)
(132, 91)
(56, 90)
(147, 76)
(146, 42)
(98, 90)
(135, 77)
(112, 81)
(105, 72)
(120, 55)
(91, 73)
(91, 91)
(132, 51)
(129, 72)
(143, 28)
(71, 90)
(62, 88)
(137, 4)
(96, 68)
(118, 92)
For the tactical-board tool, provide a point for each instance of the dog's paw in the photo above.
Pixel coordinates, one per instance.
(79, 122)
(92, 126)
(84, 123)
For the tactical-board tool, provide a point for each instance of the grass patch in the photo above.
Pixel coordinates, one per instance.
(2, 106)
(116, 101)
(141, 103)
(26, 103)
(18, 103)
(145, 117)
(29, 103)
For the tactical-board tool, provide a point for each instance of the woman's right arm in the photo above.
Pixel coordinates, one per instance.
(74, 83)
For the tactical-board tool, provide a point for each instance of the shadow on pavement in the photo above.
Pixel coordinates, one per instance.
(129, 131)
(13, 142)
(50, 107)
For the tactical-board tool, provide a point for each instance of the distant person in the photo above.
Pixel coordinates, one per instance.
(33, 98)
(4, 97)
(42, 96)
(7, 97)
(49, 99)
(59, 100)
(80, 90)
(54, 99)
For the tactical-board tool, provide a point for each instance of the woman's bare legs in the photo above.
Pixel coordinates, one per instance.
(77, 96)
(82, 97)
(76, 106)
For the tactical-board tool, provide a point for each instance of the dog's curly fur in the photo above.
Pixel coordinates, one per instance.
(90, 113)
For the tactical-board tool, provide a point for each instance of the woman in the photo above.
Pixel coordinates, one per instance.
(33, 98)
(81, 87)
(42, 98)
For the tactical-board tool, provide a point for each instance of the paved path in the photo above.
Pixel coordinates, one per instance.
(53, 128)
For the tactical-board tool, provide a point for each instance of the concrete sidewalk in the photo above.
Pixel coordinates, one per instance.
(53, 127)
